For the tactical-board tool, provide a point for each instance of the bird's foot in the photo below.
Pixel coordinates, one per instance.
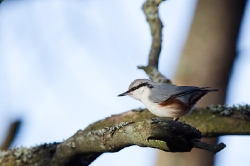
(175, 119)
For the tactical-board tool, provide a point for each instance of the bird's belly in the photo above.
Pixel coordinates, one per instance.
(167, 111)
(174, 109)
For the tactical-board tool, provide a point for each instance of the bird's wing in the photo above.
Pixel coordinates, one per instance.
(165, 92)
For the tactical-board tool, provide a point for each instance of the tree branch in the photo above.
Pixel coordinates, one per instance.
(150, 8)
(137, 127)
(12, 132)
(86, 145)
(214, 121)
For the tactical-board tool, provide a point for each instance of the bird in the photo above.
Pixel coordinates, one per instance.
(166, 100)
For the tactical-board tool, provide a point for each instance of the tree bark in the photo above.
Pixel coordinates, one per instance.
(135, 127)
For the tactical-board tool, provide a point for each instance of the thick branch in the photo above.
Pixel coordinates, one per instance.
(220, 120)
(212, 121)
(85, 146)
(137, 127)
(167, 135)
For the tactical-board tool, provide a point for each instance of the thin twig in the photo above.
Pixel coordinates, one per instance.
(150, 8)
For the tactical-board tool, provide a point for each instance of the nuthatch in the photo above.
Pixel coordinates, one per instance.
(166, 100)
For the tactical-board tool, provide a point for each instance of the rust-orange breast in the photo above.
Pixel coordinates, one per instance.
(175, 104)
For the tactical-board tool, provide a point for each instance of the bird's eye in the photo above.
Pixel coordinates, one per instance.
(133, 88)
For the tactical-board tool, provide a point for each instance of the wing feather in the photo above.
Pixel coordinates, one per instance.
(165, 92)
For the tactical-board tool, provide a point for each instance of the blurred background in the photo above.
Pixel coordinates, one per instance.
(63, 63)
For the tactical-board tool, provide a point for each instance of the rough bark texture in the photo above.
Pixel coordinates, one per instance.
(136, 127)
(206, 61)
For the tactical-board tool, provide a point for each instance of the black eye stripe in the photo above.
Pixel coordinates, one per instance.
(141, 85)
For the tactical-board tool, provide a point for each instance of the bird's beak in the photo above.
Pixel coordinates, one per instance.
(123, 94)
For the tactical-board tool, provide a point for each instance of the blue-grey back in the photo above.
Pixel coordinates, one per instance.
(163, 92)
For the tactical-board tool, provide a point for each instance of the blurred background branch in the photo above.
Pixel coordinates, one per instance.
(11, 134)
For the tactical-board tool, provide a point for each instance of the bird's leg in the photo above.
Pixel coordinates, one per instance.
(175, 119)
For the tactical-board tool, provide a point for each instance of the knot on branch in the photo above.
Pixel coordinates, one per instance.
(178, 136)
(181, 137)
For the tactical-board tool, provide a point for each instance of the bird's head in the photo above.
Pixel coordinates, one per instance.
(137, 88)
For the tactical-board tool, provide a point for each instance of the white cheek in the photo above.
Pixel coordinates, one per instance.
(137, 94)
